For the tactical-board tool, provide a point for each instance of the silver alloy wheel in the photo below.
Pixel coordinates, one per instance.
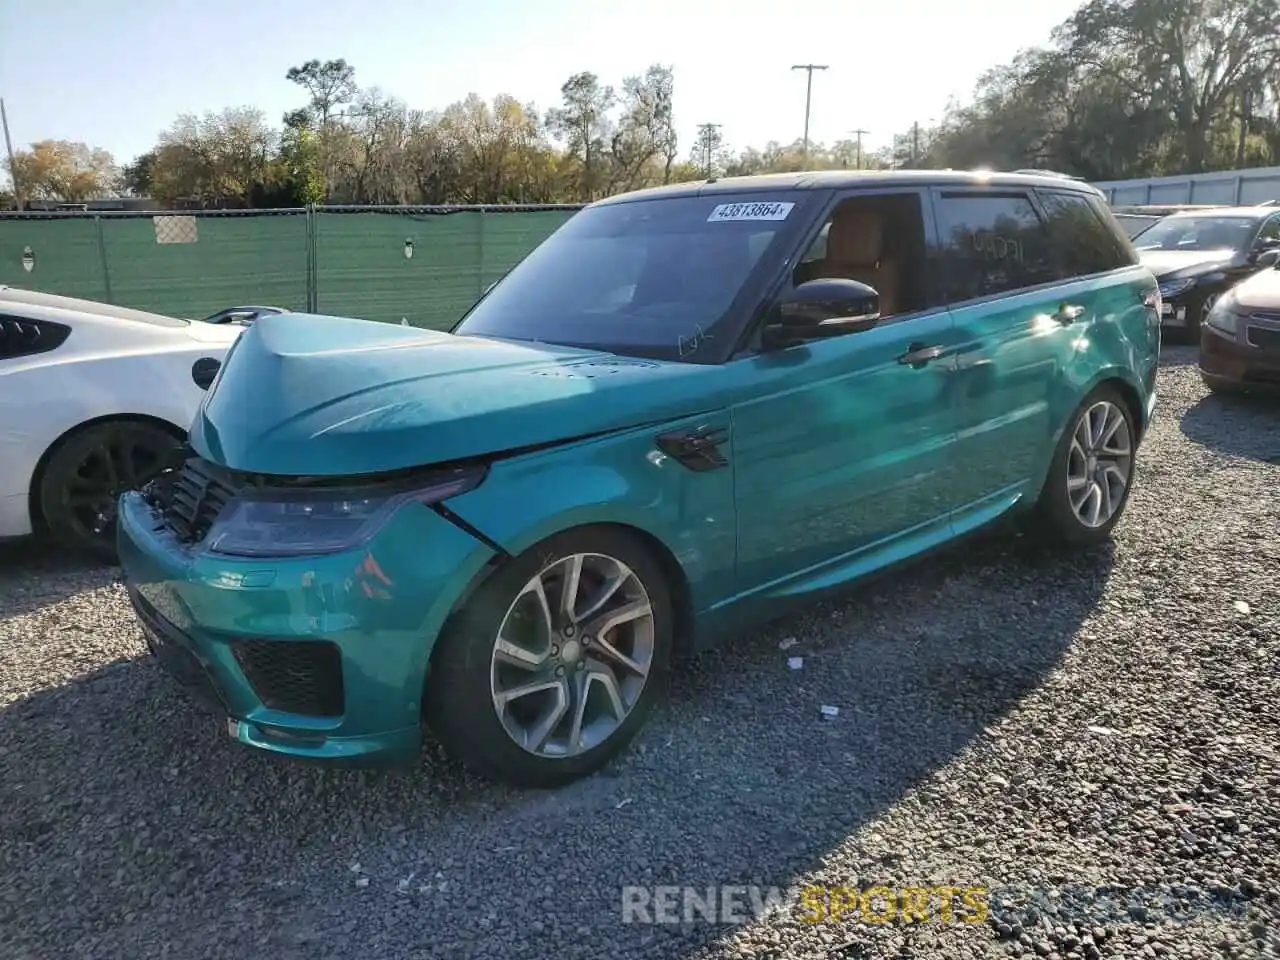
(1099, 463)
(572, 655)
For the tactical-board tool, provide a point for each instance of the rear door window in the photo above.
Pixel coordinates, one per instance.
(992, 243)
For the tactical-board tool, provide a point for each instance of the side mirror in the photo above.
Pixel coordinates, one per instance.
(1270, 258)
(823, 308)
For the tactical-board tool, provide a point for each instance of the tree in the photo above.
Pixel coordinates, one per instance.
(331, 84)
(1123, 88)
(646, 133)
(135, 178)
(1130, 88)
(368, 154)
(64, 170)
(299, 168)
(582, 122)
(217, 159)
(709, 154)
(1191, 56)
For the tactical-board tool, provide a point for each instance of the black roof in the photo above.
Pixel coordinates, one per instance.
(853, 179)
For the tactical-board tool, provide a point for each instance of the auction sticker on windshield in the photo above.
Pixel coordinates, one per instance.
(750, 211)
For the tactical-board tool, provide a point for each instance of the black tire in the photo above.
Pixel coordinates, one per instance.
(458, 700)
(1054, 518)
(83, 477)
(1197, 313)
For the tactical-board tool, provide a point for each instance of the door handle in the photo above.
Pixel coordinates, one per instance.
(1068, 313)
(918, 354)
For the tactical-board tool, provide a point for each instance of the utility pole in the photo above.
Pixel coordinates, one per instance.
(8, 145)
(808, 68)
(858, 133)
(707, 137)
(915, 143)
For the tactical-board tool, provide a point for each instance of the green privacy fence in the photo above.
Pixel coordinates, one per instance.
(423, 264)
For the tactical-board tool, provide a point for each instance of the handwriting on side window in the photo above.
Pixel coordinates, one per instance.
(992, 246)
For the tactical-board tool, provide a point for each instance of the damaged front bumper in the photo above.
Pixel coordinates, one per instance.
(320, 657)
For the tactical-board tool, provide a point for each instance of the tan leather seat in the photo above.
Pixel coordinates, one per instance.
(855, 244)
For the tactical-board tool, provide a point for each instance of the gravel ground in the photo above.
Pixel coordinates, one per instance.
(1095, 739)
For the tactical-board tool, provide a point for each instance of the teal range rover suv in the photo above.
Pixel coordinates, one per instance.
(686, 409)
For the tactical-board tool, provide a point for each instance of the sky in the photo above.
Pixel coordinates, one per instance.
(115, 74)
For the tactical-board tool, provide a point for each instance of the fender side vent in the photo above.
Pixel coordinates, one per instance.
(697, 449)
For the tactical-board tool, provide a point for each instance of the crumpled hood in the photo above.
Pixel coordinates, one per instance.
(308, 395)
(1164, 263)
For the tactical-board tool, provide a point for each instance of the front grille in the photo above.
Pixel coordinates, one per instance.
(166, 642)
(191, 498)
(1263, 338)
(296, 676)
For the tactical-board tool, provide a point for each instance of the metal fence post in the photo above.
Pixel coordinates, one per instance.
(312, 284)
(102, 257)
(480, 265)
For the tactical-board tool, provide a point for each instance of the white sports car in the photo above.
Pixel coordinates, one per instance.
(95, 399)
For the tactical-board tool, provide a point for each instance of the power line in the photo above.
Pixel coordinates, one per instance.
(808, 68)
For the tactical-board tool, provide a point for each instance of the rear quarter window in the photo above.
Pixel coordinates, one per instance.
(1084, 238)
(24, 337)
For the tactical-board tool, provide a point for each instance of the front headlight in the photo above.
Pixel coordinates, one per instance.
(309, 522)
(1222, 316)
(1171, 288)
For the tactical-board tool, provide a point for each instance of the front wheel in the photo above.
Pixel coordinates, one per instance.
(1092, 471)
(556, 660)
(1198, 316)
(86, 473)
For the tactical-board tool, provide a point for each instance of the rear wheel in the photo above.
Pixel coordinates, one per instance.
(85, 475)
(1092, 471)
(556, 661)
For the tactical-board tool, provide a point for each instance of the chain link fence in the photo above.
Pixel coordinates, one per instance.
(426, 265)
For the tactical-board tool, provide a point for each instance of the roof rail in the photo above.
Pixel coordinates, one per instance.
(1049, 173)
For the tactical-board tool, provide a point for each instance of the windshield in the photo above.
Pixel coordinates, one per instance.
(1197, 233)
(648, 277)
